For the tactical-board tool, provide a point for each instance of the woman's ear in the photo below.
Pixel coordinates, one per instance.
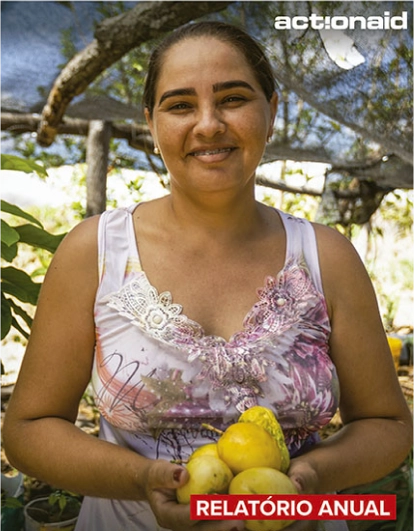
(150, 124)
(148, 119)
(273, 109)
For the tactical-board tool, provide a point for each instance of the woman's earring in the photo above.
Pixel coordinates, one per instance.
(156, 151)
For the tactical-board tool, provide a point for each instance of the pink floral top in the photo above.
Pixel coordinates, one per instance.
(157, 376)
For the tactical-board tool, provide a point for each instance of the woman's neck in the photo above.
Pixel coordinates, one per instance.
(220, 218)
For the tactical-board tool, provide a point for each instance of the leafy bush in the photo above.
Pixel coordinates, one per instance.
(17, 286)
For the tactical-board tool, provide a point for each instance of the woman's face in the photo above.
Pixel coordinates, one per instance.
(211, 118)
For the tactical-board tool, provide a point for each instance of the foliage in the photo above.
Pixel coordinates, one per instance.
(59, 506)
(12, 162)
(400, 484)
(62, 500)
(10, 502)
(17, 286)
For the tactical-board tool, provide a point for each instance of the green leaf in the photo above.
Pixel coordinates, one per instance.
(12, 162)
(18, 310)
(9, 236)
(9, 253)
(16, 211)
(19, 284)
(39, 237)
(16, 325)
(12, 503)
(17, 291)
(53, 498)
(62, 502)
(6, 316)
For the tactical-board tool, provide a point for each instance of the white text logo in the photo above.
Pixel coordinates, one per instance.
(321, 22)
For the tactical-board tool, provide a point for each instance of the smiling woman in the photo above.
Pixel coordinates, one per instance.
(221, 115)
(194, 307)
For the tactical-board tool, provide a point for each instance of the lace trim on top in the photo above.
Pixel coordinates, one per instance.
(238, 366)
(281, 303)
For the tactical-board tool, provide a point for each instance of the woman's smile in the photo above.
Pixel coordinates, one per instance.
(211, 155)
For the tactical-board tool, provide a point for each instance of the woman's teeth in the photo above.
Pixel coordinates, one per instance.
(210, 152)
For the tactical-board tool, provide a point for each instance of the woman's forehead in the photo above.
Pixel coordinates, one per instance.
(197, 57)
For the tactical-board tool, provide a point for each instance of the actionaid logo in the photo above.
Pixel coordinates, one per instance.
(321, 22)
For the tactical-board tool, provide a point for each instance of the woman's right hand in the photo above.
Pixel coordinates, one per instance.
(162, 481)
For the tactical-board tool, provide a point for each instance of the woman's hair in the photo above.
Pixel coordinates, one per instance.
(230, 34)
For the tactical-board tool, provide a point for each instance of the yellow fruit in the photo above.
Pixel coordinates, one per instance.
(245, 445)
(208, 475)
(263, 481)
(207, 449)
(265, 418)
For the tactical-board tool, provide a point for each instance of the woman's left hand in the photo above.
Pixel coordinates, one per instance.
(303, 475)
(305, 479)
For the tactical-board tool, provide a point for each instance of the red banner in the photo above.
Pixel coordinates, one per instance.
(293, 507)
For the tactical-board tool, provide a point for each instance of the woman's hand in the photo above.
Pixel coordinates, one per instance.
(162, 481)
(305, 479)
(303, 476)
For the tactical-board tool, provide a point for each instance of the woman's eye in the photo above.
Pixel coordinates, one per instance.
(179, 106)
(234, 99)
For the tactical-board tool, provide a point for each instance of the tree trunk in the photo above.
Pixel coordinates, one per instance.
(97, 166)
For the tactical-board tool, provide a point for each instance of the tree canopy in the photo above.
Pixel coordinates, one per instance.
(353, 115)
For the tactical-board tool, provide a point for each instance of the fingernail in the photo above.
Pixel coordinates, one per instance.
(177, 474)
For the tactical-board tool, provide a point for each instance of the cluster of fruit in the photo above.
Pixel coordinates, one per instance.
(250, 457)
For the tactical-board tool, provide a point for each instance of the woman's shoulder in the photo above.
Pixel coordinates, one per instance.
(78, 250)
(82, 234)
(333, 245)
(342, 268)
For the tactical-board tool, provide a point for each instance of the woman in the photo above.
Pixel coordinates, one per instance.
(159, 304)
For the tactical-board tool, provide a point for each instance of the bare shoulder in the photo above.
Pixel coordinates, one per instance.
(81, 242)
(83, 235)
(343, 272)
(76, 258)
(335, 249)
(327, 236)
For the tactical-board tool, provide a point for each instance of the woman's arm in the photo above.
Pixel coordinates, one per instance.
(39, 436)
(377, 432)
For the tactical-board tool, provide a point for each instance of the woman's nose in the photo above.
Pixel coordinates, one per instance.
(209, 122)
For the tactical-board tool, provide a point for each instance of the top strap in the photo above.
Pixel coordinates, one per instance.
(301, 245)
(117, 248)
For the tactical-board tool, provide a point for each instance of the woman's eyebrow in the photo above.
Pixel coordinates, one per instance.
(177, 92)
(217, 87)
(226, 85)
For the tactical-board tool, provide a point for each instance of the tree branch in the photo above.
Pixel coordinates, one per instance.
(113, 38)
(138, 136)
(283, 187)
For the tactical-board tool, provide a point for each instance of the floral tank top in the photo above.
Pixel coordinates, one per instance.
(157, 377)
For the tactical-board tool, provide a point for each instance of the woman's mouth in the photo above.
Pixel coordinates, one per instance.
(212, 156)
(200, 153)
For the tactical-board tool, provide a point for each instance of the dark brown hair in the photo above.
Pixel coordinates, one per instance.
(228, 33)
